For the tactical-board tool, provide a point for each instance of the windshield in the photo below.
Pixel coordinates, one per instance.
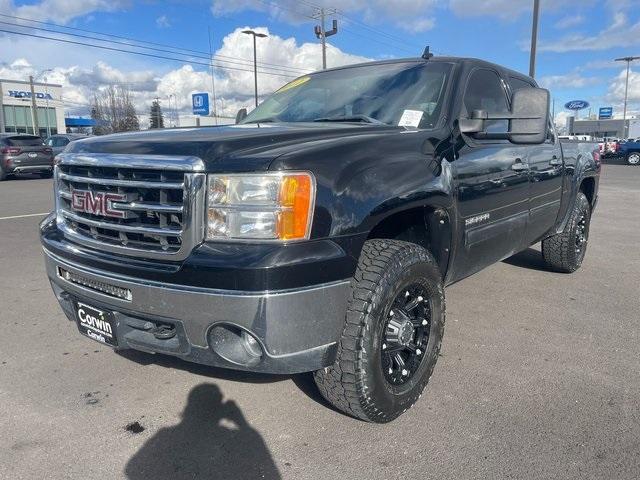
(407, 94)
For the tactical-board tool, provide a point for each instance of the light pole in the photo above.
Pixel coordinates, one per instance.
(626, 90)
(534, 38)
(34, 108)
(255, 64)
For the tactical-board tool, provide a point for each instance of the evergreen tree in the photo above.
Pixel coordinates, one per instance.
(156, 117)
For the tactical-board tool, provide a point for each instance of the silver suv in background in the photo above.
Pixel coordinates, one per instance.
(59, 142)
(21, 153)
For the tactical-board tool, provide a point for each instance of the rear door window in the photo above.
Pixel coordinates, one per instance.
(485, 91)
(518, 84)
(24, 141)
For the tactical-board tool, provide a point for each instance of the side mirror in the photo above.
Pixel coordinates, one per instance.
(241, 115)
(471, 125)
(528, 119)
(529, 116)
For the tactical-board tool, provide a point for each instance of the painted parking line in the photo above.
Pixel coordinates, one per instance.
(13, 217)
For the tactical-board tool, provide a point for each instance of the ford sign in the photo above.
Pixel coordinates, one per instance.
(576, 105)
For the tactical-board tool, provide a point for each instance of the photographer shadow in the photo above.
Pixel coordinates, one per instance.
(212, 441)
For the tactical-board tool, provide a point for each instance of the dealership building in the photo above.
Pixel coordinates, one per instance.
(17, 114)
(613, 127)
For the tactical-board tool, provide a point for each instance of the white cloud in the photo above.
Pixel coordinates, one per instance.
(60, 11)
(410, 15)
(163, 22)
(560, 120)
(570, 80)
(570, 21)
(615, 93)
(619, 33)
(234, 88)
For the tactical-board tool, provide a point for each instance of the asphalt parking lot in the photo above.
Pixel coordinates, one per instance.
(539, 378)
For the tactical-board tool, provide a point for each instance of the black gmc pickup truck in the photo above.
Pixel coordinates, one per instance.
(319, 233)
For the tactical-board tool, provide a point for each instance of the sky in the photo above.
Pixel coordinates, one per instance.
(578, 40)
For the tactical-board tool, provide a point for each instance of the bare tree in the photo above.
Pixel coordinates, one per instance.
(114, 111)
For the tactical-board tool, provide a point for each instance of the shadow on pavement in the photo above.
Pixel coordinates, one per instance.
(529, 258)
(167, 361)
(212, 441)
(304, 381)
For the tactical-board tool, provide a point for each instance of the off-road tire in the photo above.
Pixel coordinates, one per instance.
(355, 383)
(3, 174)
(633, 158)
(559, 251)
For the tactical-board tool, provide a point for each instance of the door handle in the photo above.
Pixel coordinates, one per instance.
(519, 166)
(555, 161)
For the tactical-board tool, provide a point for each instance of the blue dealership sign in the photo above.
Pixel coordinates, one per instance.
(605, 113)
(576, 105)
(200, 102)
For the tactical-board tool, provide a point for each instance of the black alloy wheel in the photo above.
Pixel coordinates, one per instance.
(406, 334)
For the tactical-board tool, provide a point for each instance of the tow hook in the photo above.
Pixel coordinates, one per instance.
(164, 332)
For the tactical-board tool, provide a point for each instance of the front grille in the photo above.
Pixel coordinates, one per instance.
(155, 205)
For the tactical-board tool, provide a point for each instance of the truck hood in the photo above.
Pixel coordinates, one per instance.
(235, 148)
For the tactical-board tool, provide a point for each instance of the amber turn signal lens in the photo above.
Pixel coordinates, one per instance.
(296, 200)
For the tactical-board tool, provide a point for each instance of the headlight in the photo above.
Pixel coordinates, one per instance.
(274, 206)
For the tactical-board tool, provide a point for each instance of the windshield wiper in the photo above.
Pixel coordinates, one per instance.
(350, 118)
(263, 120)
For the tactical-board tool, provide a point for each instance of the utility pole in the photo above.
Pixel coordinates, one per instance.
(158, 116)
(213, 80)
(322, 34)
(626, 90)
(34, 111)
(255, 62)
(534, 38)
(46, 101)
(1, 110)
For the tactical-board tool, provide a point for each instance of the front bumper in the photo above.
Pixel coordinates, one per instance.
(297, 330)
(19, 165)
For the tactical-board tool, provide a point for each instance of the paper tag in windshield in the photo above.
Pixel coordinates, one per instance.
(410, 118)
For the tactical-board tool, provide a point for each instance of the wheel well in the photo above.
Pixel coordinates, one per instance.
(588, 187)
(428, 227)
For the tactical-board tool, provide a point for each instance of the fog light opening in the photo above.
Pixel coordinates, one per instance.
(235, 345)
(251, 345)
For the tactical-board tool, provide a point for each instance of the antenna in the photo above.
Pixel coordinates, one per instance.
(427, 54)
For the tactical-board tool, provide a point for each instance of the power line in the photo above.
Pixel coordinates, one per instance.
(372, 29)
(381, 42)
(151, 55)
(148, 48)
(196, 53)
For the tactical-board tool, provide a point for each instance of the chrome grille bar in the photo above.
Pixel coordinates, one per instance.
(119, 183)
(173, 232)
(158, 207)
(162, 197)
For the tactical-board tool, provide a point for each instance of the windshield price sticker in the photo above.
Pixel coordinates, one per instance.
(410, 118)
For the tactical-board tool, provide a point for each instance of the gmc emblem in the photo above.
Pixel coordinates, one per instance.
(97, 203)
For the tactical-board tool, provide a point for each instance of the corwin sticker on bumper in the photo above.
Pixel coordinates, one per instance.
(96, 324)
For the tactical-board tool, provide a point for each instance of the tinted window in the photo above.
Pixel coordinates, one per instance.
(24, 141)
(382, 92)
(518, 84)
(485, 92)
